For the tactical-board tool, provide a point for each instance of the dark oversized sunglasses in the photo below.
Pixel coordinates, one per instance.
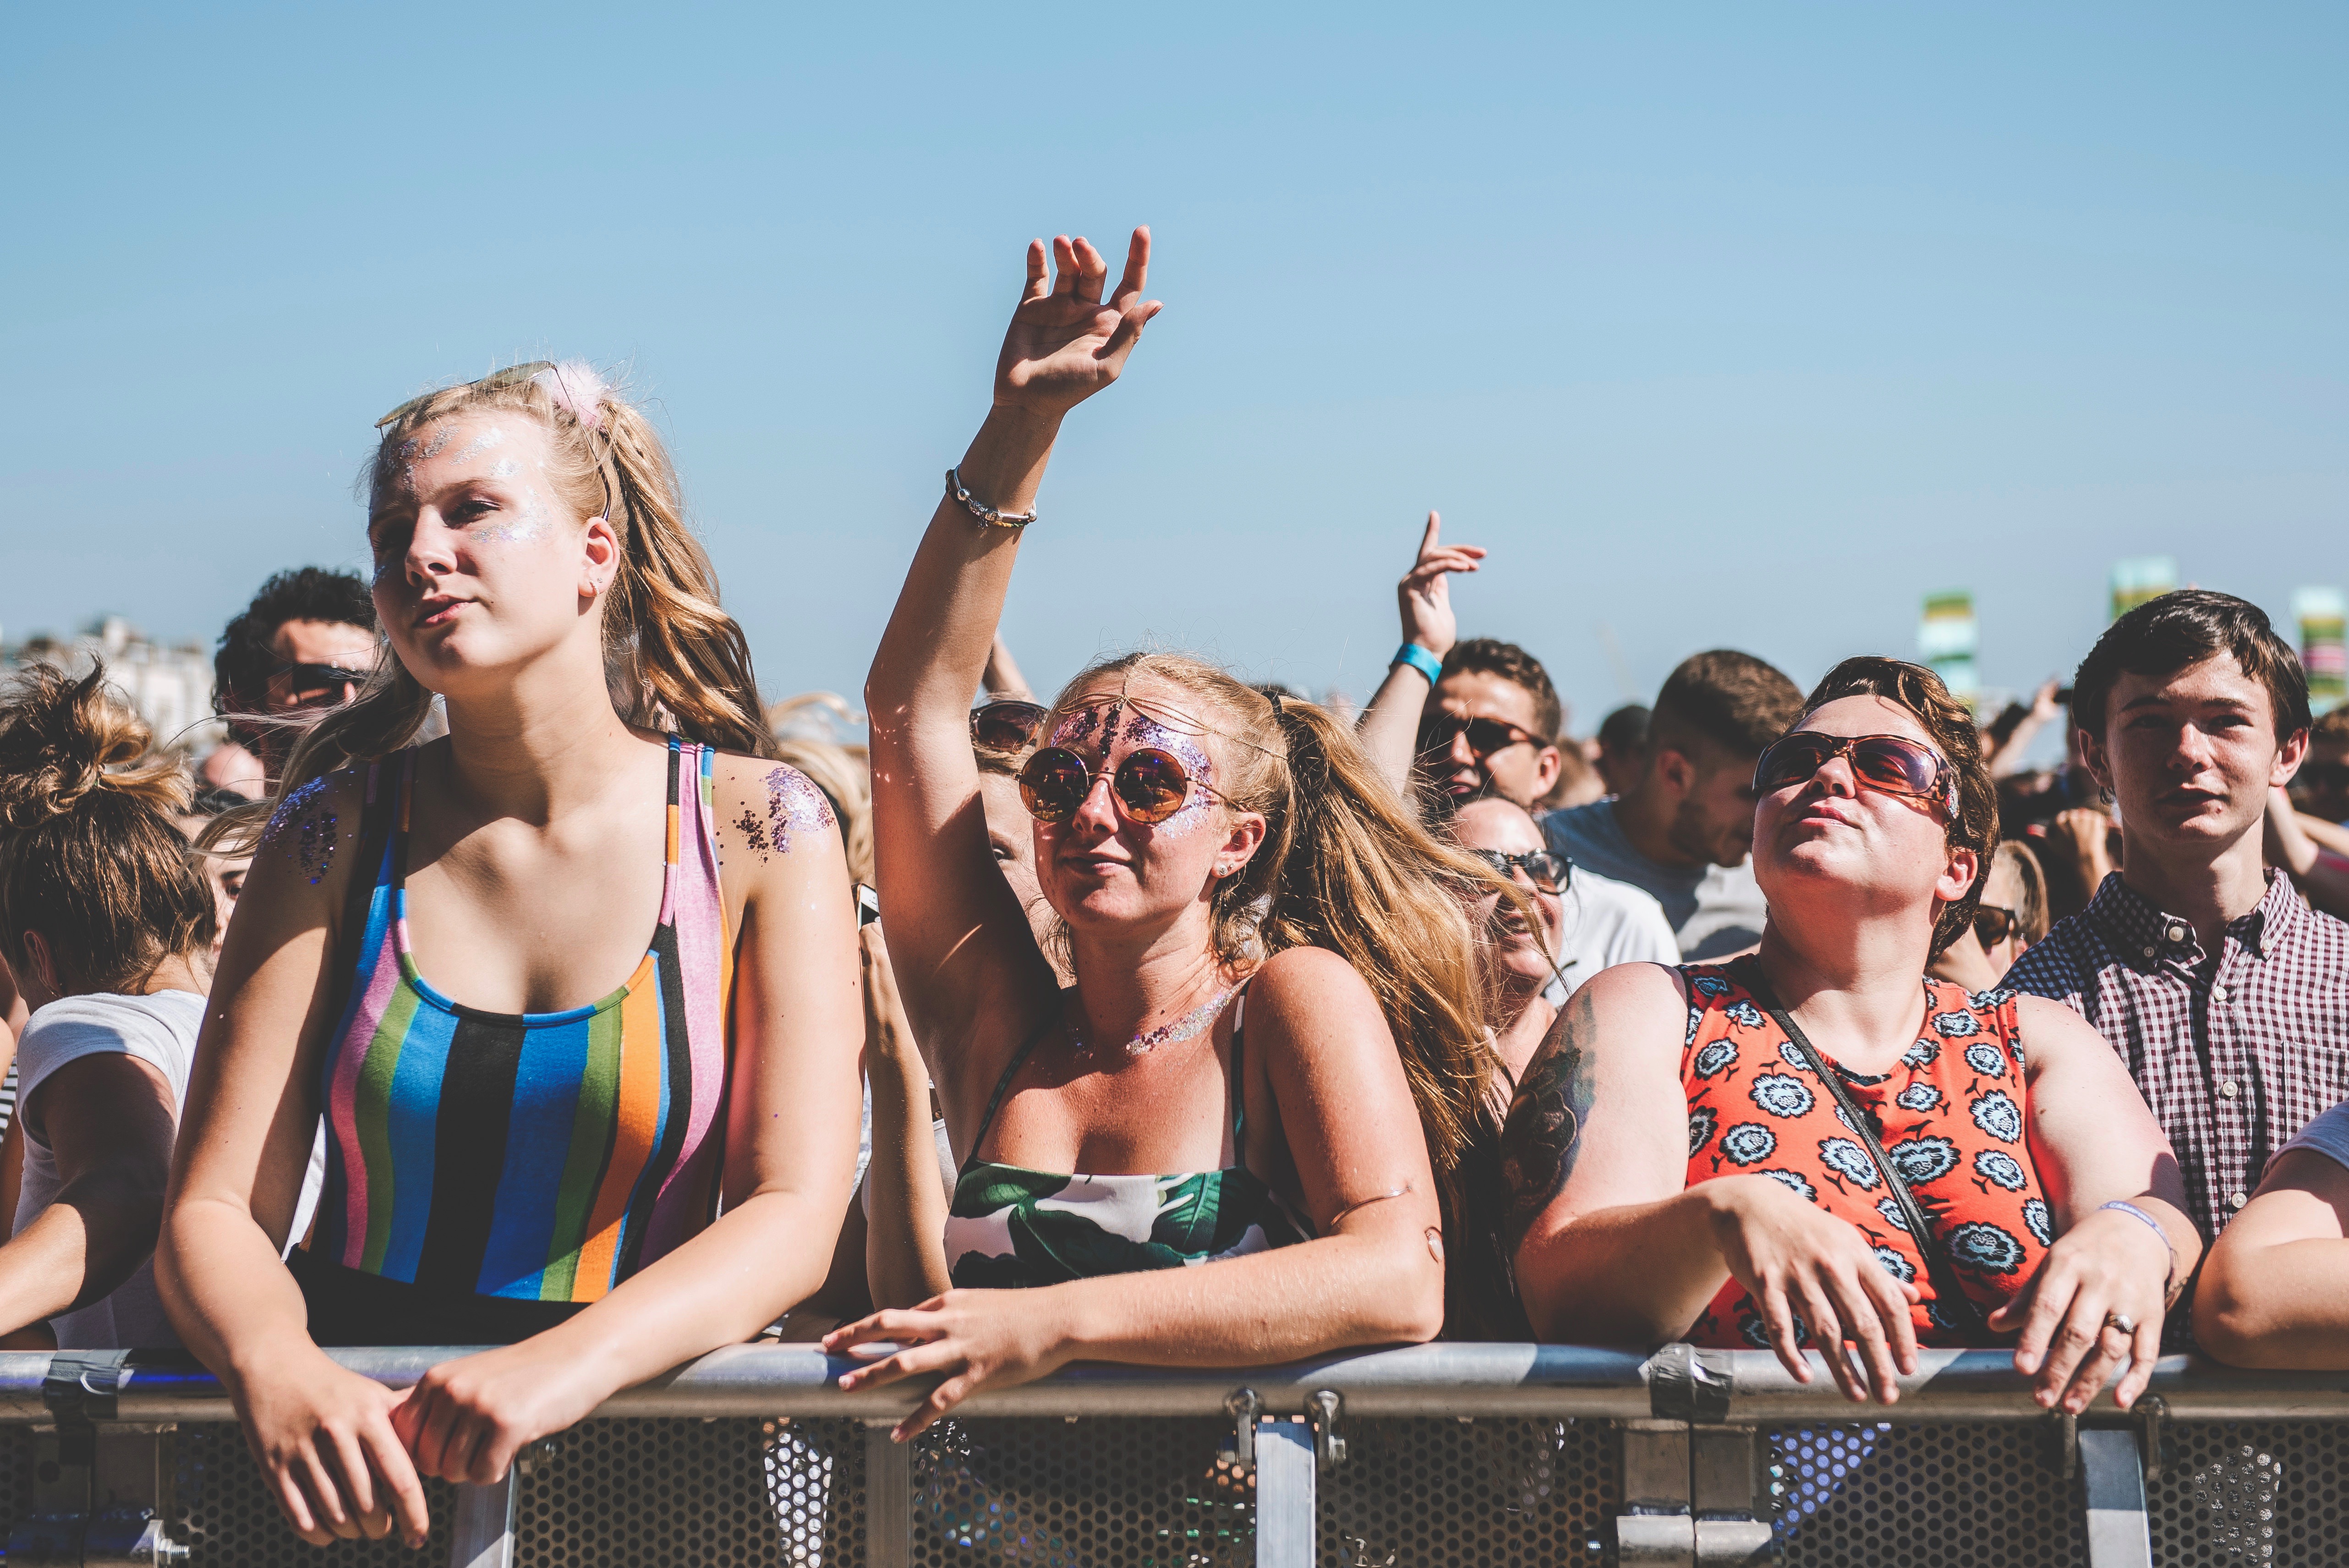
(1485, 736)
(1893, 764)
(1548, 872)
(1994, 924)
(1006, 728)
(306, 684)
(1149, 786)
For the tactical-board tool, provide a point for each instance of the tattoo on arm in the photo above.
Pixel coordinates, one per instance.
(1541, 1139)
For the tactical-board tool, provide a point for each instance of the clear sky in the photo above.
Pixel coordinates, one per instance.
(1720, 325)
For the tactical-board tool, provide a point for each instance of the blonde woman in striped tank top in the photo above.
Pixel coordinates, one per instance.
(576, 1000)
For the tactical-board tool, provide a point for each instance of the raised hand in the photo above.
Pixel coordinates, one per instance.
(1424, 593)
(1064, 342)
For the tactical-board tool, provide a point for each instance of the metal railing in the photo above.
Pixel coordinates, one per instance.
(1454, 1453)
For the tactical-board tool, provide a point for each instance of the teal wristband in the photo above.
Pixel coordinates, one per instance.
(1420, 660)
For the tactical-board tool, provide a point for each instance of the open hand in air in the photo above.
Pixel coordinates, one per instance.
(1065, 343)
(1425, 594)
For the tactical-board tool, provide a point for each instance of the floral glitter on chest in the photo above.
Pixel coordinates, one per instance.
(1171, 1033)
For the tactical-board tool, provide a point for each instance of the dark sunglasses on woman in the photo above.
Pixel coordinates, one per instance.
(1891, 764)
(1485, 736)
(1994, 923)
(1548, 872)
(1006, 728)
(1149, 786)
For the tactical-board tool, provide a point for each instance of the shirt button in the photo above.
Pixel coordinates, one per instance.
(2149, 953)
(2218, 993)
(2236, 1200)
(2227, 1087)
(2176, 932)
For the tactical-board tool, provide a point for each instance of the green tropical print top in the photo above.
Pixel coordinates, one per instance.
(1010, 1227)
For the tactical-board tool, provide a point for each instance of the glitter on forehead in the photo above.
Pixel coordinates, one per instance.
(494, 435)
(504, 469)
(1076, 726)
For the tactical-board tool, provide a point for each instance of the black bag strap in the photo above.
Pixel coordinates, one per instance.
(1959, 1305)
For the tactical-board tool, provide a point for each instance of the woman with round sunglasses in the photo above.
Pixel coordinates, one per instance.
(1816, 1146)
(1228, 1142)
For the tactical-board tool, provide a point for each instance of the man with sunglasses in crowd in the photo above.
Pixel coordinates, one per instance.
(1681, 831)
(1468, 724)
(306, 642)
(2224, 992)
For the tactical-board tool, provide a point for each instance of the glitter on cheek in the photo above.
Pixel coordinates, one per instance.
(524, 526)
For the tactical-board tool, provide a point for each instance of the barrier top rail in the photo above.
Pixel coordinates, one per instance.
(1426, 1380)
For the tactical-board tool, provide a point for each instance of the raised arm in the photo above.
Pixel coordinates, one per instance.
(2093, 1143)
(1612, 1246)
(1389, 727)
(962, 944)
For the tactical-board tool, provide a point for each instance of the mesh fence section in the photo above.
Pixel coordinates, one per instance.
(1500, 1491)
(1046, 1493)
(1113, 1492)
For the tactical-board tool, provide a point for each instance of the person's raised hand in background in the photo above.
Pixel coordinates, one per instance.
(1389, 727)
(1425, 594)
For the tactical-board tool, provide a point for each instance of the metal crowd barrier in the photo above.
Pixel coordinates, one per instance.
(1478, 1455)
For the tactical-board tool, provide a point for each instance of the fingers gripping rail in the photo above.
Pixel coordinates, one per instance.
(1693, 1428)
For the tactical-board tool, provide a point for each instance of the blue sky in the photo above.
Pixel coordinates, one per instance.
(1720, 325)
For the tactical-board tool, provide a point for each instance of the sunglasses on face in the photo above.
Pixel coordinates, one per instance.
(1485, 736)
(1993, 925)
(1548, 872)
(1149, 786)
(1007, 727)
(1891, 764)
(315, 684)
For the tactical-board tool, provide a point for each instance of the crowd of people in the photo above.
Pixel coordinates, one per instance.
(510, 978)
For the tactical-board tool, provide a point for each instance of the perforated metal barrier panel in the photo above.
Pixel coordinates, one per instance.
(1121, 1492)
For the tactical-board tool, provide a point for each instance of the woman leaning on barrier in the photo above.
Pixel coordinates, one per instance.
(1274, 1023)
(563, 986)
(1816, 1145)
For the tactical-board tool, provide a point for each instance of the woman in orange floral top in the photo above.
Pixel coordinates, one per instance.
(1817, 1148)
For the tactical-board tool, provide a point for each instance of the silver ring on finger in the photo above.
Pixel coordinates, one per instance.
(2121, 1321)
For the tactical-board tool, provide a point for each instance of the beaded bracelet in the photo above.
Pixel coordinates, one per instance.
(980, 508)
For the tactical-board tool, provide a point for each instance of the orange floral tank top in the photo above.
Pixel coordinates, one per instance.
(1953, 1118)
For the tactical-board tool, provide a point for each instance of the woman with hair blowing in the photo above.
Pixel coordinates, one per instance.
(1271, 1056)
(107, 923)
(1820, 1148)
(561, 985)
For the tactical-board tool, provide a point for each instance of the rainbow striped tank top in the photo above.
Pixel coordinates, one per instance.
(537, 1156)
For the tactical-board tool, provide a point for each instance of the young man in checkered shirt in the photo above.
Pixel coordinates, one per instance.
(2225, 993)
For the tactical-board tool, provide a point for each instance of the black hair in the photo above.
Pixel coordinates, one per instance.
(242, 668)
(2163, 636)
(1624, 730)
(1520, 669)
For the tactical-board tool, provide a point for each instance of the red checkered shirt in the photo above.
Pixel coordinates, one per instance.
(2235, 1051)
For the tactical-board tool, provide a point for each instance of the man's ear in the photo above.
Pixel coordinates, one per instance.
(1546, 766)
(40, 963)
(1676, 770)
(2093, 757)
(2288, 756)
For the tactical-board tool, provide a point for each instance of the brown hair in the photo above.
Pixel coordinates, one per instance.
(88, 856)
(1346, 866)
(2163, 636)
(1733, 700)
(1519, 669)
(2332, 729)
(1974, 824)
(669, 652)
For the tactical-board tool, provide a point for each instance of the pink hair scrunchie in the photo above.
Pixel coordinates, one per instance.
(574, 385)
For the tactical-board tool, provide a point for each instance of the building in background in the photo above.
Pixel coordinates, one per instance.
(172, 688)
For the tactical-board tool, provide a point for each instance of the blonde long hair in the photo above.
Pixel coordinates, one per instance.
(670, 651)
(1346, 866)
